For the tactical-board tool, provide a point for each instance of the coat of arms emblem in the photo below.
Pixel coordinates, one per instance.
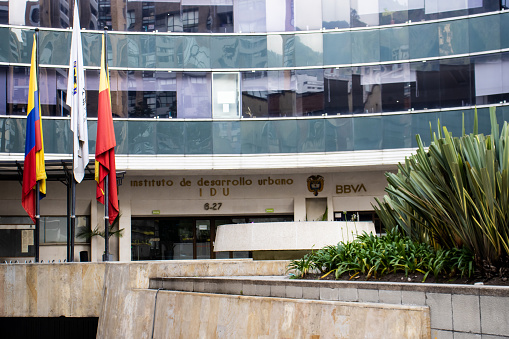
(315, 184)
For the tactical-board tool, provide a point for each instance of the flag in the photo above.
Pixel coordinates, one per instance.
(34, 169)
(105, 144)
(77, 100)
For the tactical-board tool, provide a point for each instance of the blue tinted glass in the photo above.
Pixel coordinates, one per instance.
(337, 48)
(121, 136)
(311, 137)
(484, 33)
(254, 136)
(57, 136)
(423, 41)
(54, 47)
(308, 49)
(453, 120)
(224, 51)
(397, 132)
(141, 51)
(91, 49)
(367, 133)
(226, 137)
(166, 52)
(335, 14)
(504, 27)
(421, 125)
(394, 44)
(282, 136)
(453, 37)
(23, 40)
(252, 52)
(5, 51)
(118, 44)
(142, 137)
(338, 134)
(365, 46)
(194, 51)
(281, 50)
(484, 122)
(170, 137)
(198, 136)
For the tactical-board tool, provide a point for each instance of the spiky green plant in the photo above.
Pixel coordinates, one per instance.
(454, 194)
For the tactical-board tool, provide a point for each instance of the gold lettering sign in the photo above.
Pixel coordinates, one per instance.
(345, 189)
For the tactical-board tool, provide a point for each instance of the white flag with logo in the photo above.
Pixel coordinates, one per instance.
(77, 101)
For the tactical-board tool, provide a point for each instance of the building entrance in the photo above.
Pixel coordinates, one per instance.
(183, 238)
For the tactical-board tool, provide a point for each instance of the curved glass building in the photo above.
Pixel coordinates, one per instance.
(226, 110)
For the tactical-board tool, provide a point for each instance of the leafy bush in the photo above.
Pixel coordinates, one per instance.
(375, 256)
(454, 195)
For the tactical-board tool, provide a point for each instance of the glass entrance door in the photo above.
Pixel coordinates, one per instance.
(202, 245)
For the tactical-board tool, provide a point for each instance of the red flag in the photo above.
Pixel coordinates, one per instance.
(34, 169)
(105, 144)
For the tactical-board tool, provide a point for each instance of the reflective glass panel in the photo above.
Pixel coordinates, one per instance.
(279, 16)
(250, 16)
(394, 44)
(367, 133)
(118, 47)
(365, 46)
(142, 94)
(142, 137)
(484, 33)
(194, 95)
(397, 132)
(504, 27)
(453, 37)
(224, 51)
(309, 98)
(254, 94)
(364, 13)
(167, 16)
(452, 8)
(420, 125)
(425, 91)
(311, 135)
(21, 41)
(119, 93)
(57, 136)
(456, 87)
(282, 87)
(54, 47)
(226, 137)
(505, 76)
(337, 48)
(141, 51)
(339, 135)
(308, 15)
(225, 95)
(5, 50)
(194, 51)
(54, 229)
(423, 41)
(308, 49)
(166, 95)
(167, 52)
(170, 137)
(393, 11)
(478, 6)
(121, 136)
(488, 77)
(396, 80)
(282, 136)
(337, 94)
(335, 14)
(198, 136)
(254, 136)
(366, 89)
(281, 50)
(91, 44)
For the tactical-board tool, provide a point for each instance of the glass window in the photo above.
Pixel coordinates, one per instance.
(141, 51)
(226, 137)
(91, 44)
(364, 13)
(484, 33)
(420, 125)
(308, 15)
(397, 132)
(166, 52)
(504, 27)
(337, 48)
(194, 51)
(366, 89)
(456, 88)
(309, 49)
(339, 135)
(279, 16)
(488, 75)
(453, 37)
(225, 95)
(365, 46)
(142, 137)
(198, 137)
(170, 137)
(396, 82)
(393, 11)
(281, 50)
(337, 90)
(254, 136)
(425, 91)
(54, 229)
(282, 136)
(309, 98)
(224, 51)
(281, 98)
(416, 10)
(194, 95)
(28, 13)
(250, 16)
(254, 94)
(423, 41)
(311, 135)
(141, 94)
(167, 16)
(200, 18)
(394, 44)
(4, 13)
(481, 6)
(17, 90)
(166, 95)
(367, 133)
(505, 76)
(54, 48)
(335, 14)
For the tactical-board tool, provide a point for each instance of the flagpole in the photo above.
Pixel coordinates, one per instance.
(37, 193)
(73, 216)
(68, 245)
(106, 181)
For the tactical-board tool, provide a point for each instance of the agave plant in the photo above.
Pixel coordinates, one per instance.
(454, 194)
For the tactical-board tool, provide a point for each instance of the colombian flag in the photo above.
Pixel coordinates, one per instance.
(105, 144)
(34, 169)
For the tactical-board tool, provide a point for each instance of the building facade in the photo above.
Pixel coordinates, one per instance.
(234, 111)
